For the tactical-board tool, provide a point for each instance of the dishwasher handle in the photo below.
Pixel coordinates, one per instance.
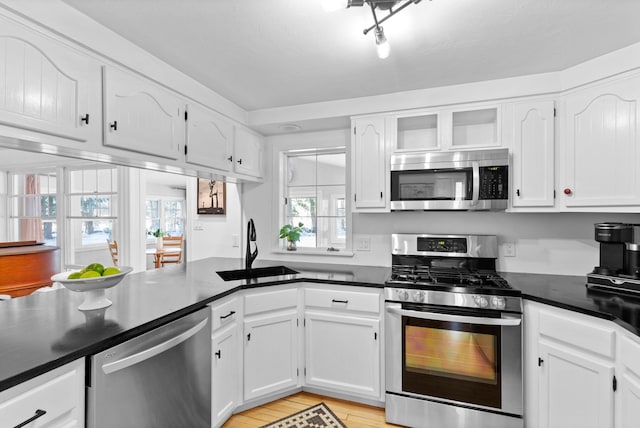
(136, 358)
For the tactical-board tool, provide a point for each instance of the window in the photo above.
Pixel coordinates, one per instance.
(33, 207)
(92, 206)
(314, 193)
(166, 215)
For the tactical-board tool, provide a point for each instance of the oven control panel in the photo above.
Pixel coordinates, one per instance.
(444, 298)
(442, 245)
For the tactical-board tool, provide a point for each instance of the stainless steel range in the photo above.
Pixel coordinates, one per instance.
(453, 335)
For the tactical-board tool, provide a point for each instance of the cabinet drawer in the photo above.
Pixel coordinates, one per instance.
(58, 396)
(224, 313)
(270, 300)
(578, 330)
(339, 299)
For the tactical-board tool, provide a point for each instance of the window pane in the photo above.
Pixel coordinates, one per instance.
(331, 169)
(173, 218)
(301, 170)
(315, 192)
(91, 206)
(104, 184)
(89, 239)
(302, 207)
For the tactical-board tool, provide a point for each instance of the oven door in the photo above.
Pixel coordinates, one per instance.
(455, 357)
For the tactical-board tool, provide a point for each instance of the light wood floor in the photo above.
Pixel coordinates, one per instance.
(353, 415)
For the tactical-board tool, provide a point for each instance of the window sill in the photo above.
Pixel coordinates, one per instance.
(309, 252)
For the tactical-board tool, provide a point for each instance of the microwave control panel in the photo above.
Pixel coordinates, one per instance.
(493, 182)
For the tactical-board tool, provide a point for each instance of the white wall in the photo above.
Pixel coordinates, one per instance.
(213, 235)
(553, 243)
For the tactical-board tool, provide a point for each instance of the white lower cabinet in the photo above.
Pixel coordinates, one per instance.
(226, 366)
(342, 353)
(343, 349)
(52, 400)
(570, 369)
(270, 342)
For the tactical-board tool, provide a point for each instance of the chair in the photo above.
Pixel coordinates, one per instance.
(113, 250)
(172, 246)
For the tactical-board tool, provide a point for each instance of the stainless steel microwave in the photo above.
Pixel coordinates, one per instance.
(463, 180)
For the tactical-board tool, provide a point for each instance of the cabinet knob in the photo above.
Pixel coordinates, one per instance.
(239, 161)
(114, 125)
(230, 158)
(517, 192)
(540, 361)
(567, 191)
(85, 119)
(218, 354)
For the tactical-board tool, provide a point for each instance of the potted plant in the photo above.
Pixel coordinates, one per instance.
(158, 234)
(292, 234)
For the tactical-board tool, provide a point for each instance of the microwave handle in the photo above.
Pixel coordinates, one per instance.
(475, 195)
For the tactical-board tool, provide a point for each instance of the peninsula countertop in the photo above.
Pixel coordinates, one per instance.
(46, 330)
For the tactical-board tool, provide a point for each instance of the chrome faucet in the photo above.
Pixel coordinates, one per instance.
(251, 237)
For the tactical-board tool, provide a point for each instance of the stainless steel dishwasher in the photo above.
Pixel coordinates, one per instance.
(159, 379)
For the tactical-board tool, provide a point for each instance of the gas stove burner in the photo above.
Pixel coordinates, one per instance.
(423, 275)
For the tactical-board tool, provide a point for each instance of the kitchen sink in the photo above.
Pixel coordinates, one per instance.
(232, 275)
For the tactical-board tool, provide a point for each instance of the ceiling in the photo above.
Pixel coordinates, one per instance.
(263, 54)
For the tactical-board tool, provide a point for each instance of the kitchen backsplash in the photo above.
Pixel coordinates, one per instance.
(554, 243)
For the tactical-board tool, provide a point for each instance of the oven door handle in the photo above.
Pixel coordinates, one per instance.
(475, 195)
(505, 321)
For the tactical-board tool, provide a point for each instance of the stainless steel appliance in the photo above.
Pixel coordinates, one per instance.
(465, 180)
(619, 267)
(159, 379)
(453, 335)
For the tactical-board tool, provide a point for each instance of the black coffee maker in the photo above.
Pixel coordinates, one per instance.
(612, 238)
(619, 249)
(619, 266)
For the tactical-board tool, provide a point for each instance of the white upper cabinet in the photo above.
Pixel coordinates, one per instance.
(247, 153)
(369, 165)
(47, 87)
(209, 139)
(601, 145)
(141, 116)
(529, 127)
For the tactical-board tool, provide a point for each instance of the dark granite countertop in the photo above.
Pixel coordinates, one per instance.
(46, 330)
(570, 292)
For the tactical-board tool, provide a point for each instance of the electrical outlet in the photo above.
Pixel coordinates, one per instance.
(363, 244)
(509, 249)
(235, 240)
(198, 226)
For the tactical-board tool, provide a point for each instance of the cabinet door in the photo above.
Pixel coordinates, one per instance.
(270, 353)
(209, 139)
(225, 373)
(602, 150)
(247, 156)
(533, 154)
(369, 163)
(47, 87)
(141, 116)
(342, 353)
(628, 393)
(575, 389)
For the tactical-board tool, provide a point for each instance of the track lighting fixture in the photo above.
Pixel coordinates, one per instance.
(382, 44)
